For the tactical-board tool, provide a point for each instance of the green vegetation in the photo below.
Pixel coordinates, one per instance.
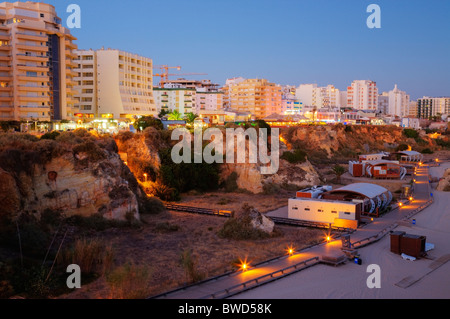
(148, 121)
(294, 157)
(184, 177)
(410, 133)
(338, 170)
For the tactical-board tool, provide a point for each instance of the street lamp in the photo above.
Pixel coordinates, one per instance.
(145, 175)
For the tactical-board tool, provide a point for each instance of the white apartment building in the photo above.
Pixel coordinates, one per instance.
(318, 97)
(398, 102)
(182, 100)
(362, 95)
(114, 84)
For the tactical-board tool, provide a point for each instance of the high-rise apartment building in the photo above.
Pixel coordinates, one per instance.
(314, 96)
(188, 96)
(362, 95)
(114, 84)
(36, 63)
(175, 99)
(398, 102)
(432, 106)
(256, 96)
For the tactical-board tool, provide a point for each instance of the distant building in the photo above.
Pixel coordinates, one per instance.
(256, 96)
(363, 95)
(318, 97)
(182, 100)
(383, 103)
(36, 64)
(114, 84)
(398, 102)
(432, 106)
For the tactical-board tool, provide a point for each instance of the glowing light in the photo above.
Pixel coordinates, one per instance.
(400, 204)
(328, 238)
(411, 198)
(290, 250)
(437, 160)
(244, 265)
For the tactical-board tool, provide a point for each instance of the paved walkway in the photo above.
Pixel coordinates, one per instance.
(236, 282)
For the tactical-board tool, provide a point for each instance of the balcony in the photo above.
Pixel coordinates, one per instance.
(34, 37)
(39, 99)
(5, 58)
(32, 47)
(30, 88)
(5, 37)
(35, 58)
(34, 68)
(70, 54)
(23, 77)
(6, 98)
(5, 48)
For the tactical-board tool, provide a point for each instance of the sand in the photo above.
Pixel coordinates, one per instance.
(425, 278)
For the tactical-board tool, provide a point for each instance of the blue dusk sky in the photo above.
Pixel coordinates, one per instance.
(285, 41)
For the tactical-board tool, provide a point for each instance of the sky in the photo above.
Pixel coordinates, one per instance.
(288, 42)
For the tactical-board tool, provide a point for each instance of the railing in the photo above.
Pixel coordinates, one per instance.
(198, 210)
(256, 282)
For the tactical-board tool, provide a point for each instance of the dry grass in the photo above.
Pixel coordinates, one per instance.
(208, 254)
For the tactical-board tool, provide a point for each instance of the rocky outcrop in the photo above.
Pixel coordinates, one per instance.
(444, 183)
(76, 175)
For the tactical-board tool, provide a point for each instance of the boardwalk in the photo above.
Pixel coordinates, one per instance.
(234, 283)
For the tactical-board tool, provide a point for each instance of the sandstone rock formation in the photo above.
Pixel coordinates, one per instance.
(77, 176)
(444, 183)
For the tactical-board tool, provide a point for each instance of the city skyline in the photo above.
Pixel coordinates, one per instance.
(287, 42)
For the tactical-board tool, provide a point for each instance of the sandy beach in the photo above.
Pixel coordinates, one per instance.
(400, 278)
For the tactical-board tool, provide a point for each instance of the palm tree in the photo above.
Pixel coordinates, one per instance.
(338, 170)
(190, 117)
(175, 116)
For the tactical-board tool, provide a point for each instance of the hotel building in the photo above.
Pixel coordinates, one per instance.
(114, 84)
(36, 64)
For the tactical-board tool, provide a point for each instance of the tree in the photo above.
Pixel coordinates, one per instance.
(148, 121)
(163, 113)
(338, 170)
(175, 116)
(190, 117)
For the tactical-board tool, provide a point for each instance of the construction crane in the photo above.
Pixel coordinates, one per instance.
(164, 74)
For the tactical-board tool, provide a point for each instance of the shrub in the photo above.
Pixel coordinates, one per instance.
(190, 264)
(295, 157)
(92, 255)
(411, 133)
(427, 151)
(94, 152)
(50, 135)
(230, 182)
(151, 205)
(148, 121)
(402, 147)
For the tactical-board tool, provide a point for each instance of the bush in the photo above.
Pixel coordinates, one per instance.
(50, 135)
(411, 133)
(94, 152)
(230, 183)
(151, 205)
(295, 157)
(190, 265)
(427, 151)
(148, 121)
(92, 255)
